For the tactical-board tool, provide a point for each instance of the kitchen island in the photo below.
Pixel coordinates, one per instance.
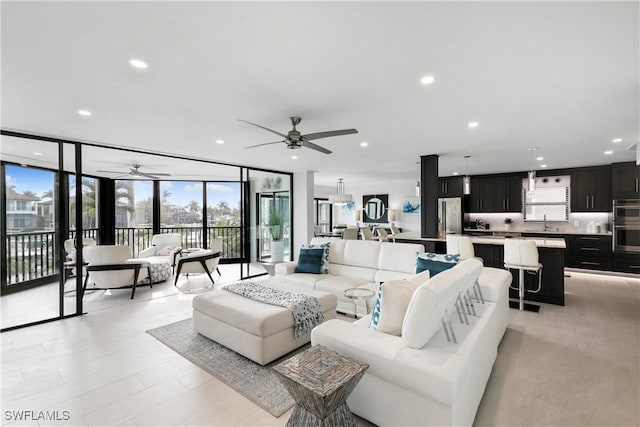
(491, 249)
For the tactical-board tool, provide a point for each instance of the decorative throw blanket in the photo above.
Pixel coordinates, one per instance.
(306, 309)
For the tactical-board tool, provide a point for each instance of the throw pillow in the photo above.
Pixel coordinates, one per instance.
(395, 297)
(164, 250)
(313, 259)
(435, 263)
(375, 314)
(419, 278)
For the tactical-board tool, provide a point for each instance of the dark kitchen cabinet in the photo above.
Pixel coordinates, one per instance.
(626, 262)
(483, 196)
(450, 186)
(508, 190)
(495, 194)
(625, 180)
(591, 189)
(592, 252)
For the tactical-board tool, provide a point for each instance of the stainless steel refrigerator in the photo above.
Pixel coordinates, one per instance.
(450, 215)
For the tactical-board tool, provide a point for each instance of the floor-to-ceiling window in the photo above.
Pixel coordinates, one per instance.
(224, 217)
(181, 212)
(134, 213)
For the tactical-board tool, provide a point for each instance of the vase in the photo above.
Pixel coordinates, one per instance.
(277, 250)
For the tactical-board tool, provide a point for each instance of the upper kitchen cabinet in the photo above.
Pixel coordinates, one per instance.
(508, 191)
(591, 189)
(625, 180)
(497, 194)
(483, 196)
(450, 186)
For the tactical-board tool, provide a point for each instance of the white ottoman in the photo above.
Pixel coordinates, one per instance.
(261, 332)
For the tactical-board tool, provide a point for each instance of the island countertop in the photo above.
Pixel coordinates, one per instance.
(556, 243)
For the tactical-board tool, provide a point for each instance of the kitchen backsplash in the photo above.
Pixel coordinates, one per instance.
(578, 222)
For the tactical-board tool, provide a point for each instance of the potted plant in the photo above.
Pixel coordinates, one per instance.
(276, 230)
(507, 223)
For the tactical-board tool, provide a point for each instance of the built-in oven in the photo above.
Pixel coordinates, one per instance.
(626, 225)
(626, 211)
(626, 238)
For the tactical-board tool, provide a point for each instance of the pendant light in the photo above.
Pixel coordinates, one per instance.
(340, 198)
(532, 173)
(466, 181)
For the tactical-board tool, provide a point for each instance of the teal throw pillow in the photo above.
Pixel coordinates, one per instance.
(375, 314)
(313, 259)
(435, 263)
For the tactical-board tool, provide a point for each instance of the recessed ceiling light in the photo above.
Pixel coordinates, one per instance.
(35, 153)
(219, 141)
(294, 157)
(473, 124)
(543, 166)
(427, 80)
(617, 140)
(364, 144)
(455, 173)
(138, 63)
(539, 159)
(608, 152)
(23, 165)
(85, 113)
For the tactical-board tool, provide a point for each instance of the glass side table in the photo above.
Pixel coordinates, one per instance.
(359, 294)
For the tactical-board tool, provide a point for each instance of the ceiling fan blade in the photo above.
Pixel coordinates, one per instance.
(315, 147)
(267, 129)
(161, 174)
(146, 175)
(266, 143)
(327, 134)
(120, 172)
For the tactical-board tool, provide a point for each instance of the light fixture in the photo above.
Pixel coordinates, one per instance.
(427, 80)
(392, 216)
(473, 124)
(532, 173)
(539, 159)
(364, 144)
(466, 181)
(85, 113)
(543, 166)
(608, 152)
(340, 198)
(356, 215)
(418, 181)
(455, 173)
(219, 141)
(35, 153)
(616, 140)
(294, 157)
(138, 63)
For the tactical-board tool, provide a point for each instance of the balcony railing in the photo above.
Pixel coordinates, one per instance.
(33, 255)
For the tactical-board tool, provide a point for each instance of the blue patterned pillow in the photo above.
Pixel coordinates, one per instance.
(435, 263)
(375, 314)
(313, 259)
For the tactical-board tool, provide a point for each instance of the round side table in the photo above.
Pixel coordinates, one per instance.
(359, 294)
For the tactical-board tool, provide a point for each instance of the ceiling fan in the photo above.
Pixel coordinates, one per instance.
(136, 172)
(294, 139)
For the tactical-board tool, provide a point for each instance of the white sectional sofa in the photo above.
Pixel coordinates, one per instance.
(353, 264)
(421, 378)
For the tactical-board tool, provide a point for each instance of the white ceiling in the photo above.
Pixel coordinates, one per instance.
(563, 77)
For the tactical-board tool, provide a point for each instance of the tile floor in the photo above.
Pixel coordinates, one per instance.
(572, 365)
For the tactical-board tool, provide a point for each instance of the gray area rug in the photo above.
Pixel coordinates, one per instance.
(255, 382)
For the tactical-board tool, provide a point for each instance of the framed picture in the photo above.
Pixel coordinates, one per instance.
(411, 206)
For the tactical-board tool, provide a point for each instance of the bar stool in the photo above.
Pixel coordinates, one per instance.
(523, 255)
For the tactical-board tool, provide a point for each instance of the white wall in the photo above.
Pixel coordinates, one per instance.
(303, 193)
(398, 192)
